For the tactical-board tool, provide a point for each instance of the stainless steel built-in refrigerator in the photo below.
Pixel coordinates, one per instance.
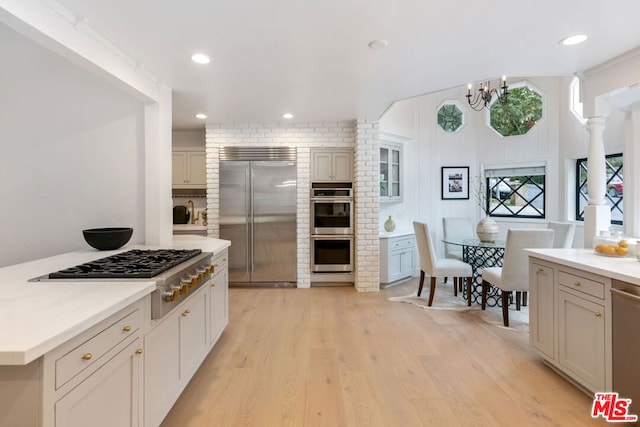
(258, 214)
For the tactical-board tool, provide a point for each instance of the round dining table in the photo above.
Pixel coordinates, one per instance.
(480, 255)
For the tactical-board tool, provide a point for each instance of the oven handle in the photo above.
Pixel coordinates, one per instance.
(332, 199)
(332, 237)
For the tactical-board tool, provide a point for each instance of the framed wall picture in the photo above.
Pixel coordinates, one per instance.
(455, 182)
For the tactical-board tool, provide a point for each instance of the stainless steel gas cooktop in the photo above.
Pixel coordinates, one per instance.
(178, 273)
(133, 264)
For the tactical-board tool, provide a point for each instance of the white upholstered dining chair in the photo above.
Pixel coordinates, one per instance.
(514, 273)
(435, 267)
(456, 227)
(564, 232)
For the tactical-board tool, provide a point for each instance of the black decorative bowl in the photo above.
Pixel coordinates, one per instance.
(105, 239)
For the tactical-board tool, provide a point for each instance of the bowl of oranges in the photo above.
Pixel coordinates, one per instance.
(613, 246)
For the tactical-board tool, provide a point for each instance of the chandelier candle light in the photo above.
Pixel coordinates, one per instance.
(484, 95)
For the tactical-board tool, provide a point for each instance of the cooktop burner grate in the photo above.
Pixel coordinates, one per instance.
(133, 264)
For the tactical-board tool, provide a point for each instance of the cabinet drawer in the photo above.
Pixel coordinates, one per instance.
(88, 353)
(402, 242)
(219, 263)
(582, 284)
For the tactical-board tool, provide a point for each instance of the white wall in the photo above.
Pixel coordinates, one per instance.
(71, 154)
(100, 105)
(401, 120)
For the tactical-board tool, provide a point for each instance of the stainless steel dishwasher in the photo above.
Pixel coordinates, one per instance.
(625, 301)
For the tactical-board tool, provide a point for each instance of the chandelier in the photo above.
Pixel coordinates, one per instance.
(485, 93)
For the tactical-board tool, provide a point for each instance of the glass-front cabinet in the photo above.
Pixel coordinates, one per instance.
(390, 169)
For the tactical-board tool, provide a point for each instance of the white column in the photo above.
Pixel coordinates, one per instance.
(597, 215)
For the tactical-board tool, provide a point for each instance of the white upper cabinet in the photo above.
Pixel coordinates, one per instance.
(391, 167)
(189, 169)
(328, 165)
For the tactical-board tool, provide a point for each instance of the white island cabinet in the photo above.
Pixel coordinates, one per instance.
(88, 354)
(570, 311)
(178, 343)
(69, 385)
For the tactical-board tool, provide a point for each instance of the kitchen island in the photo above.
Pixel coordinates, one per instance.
(570, 313)
(48, 376)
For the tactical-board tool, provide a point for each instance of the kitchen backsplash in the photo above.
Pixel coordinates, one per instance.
(199, 202)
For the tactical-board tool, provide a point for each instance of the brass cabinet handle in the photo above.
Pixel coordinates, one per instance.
(541, 270)
(576, 284)
(87, 356)
(138, 351)
(185, 313)
(598, 314)
(126, 328)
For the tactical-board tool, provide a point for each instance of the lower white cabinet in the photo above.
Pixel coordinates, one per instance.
(581, 339)
(541, 309)
(94, 379)
(194, 343)
(218, 297)
(178, 343)
(109, 397)
(570, 325)
(174, 349)
(397, 257)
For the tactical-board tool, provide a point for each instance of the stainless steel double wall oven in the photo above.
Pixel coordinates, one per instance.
(332, 216)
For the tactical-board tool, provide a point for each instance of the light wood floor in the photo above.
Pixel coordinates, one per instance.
(336, 357)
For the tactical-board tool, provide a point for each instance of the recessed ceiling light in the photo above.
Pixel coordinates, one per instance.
(378, 44)
(200, 58)
(201, 116)
(575, 39)
(287, 116)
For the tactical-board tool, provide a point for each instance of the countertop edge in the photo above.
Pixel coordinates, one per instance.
(391, 234)
(626, 269)
(75, 328)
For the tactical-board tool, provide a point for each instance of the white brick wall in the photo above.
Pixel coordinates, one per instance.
(366, 175)
(303, 137)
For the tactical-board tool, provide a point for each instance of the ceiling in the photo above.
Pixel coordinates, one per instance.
(311, 58)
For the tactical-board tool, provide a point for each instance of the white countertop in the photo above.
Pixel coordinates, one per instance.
(395, 233)
(626, 269)
(189, 227)
(36, 317)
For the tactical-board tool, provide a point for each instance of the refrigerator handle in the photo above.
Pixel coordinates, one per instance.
(247, 219)
(251, 218)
